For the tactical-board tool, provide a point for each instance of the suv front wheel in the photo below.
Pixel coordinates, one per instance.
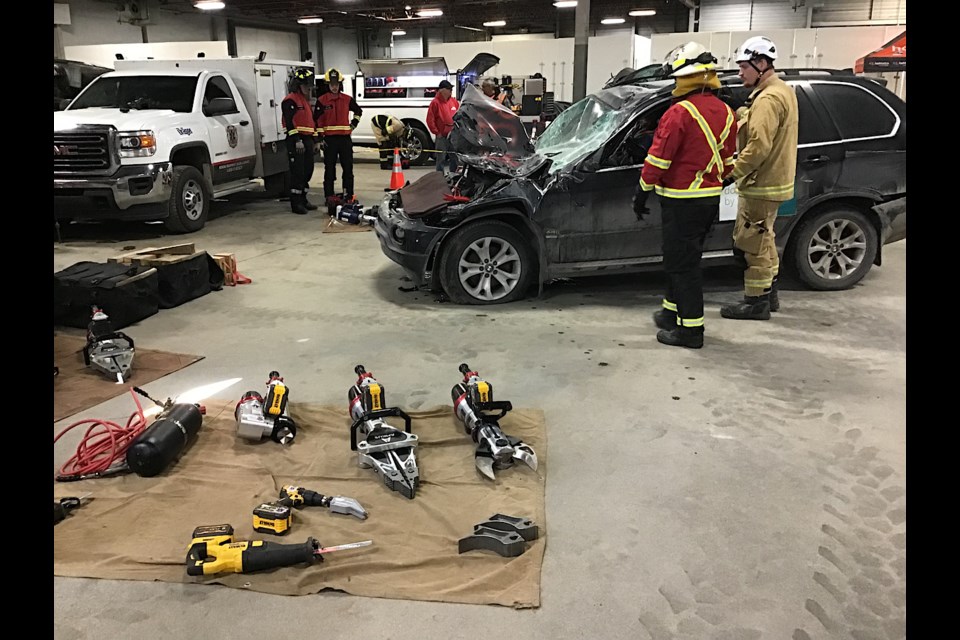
(834, 249)
(486, 262)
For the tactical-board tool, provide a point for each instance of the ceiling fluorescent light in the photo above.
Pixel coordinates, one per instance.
(565, 4)
(460, 26)
(310, 20)
(209, 5)
(430, 13)
(612, 21)
(399, 32)
(495, 23)
(636, 13)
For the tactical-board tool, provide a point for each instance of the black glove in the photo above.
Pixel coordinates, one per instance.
(728, 181)
(640, 203)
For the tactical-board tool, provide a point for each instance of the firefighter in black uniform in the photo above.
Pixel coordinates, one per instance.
(390, 133)
(298, 122)
(335, 126)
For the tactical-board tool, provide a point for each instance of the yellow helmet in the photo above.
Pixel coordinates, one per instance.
(689, 59)
(333, 75)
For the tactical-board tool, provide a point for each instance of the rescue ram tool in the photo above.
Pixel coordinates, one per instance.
(474, 405)
(109, 352)
(389, 451)
(259, 418)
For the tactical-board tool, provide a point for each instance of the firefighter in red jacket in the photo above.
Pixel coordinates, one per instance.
(298, 122)
(335, 126)
(691, 154)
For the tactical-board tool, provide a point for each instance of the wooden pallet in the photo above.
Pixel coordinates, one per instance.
(158, 256)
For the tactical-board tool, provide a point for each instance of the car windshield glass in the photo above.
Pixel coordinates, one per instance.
(584, 127)
(139, 92)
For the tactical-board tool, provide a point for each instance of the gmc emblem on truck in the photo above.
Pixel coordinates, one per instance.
(63, 150)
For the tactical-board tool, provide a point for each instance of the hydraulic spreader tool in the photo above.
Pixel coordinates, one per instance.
(259, 418)
(107, 351)
(474, 405)
(389, 451)
(213, 550)
(277, 517)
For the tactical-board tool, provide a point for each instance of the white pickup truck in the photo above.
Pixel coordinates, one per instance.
(160, 139)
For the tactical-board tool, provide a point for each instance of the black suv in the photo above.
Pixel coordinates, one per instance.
(522, 213)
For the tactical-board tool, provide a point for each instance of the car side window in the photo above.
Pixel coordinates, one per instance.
(217, 87)
(858, 113)
(812, 129)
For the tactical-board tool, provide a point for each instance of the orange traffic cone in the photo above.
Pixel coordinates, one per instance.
(396, 178)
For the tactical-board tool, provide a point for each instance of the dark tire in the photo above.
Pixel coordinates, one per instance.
(190, 200)
(277, 185)
(833, 249)
(414, 148)
(486, 262)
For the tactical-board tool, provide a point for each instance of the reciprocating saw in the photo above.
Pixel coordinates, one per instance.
(389, 451)
(213, 550)
(473, 403)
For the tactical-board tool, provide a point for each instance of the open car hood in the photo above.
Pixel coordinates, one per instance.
(491, 137)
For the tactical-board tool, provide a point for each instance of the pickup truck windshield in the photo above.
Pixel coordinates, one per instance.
(139, 92)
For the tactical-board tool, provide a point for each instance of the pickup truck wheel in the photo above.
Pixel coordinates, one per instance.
(486, 262)
(415, 145)
(834, 248)
(190, 200)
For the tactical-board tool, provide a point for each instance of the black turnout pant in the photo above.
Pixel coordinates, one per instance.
(301, 168)
(339, 148)
(686, 223)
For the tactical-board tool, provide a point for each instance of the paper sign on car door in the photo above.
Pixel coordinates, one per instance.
(728, 203)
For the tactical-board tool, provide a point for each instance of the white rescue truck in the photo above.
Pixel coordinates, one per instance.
(160, 139)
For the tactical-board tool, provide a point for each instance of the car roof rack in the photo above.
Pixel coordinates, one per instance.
(798, 71)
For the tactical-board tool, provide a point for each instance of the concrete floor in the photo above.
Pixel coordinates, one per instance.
(752, 489)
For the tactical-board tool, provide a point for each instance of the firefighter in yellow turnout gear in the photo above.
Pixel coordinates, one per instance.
(764, 172)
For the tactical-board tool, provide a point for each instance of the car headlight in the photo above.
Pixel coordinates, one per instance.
(137, 144)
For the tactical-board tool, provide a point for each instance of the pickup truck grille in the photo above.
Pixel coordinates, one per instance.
(82, 151)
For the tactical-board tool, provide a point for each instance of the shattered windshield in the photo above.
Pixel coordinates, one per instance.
(583, 127)
(139, 92)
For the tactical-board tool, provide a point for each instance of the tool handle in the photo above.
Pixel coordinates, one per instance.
(312, 498)
(464, 368)
(359, 370)
(270, 555)
(373, 415)
(483, 409)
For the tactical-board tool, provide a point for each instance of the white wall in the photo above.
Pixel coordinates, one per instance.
(104, 55)
(96, 23)
(279, 45)
(735, 15)
(340, 50)
(641, 51)
(553, 57)
(828, 47)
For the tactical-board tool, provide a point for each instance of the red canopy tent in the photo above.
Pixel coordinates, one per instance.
(890, 57)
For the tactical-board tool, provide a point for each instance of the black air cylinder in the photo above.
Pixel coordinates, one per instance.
(162, 442)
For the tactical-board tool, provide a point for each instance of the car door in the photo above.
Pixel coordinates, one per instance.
(231, 134)
(820, 155)
(600, 224)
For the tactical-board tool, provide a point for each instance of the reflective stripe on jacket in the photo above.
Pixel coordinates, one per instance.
(692, 149)
(333, 114)
(767, 162)
(297, 115)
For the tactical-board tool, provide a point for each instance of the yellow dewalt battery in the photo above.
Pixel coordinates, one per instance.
(274, 518)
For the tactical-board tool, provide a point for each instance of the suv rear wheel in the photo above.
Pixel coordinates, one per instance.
(486, 262)
(834, 249)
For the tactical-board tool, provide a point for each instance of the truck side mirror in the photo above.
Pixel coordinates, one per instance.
(220, 106)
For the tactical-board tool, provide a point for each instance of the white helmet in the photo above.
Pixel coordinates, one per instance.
(756, 46)
(689, 59)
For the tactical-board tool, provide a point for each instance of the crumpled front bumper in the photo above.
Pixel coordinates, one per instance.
(149, 184)
(407, 241)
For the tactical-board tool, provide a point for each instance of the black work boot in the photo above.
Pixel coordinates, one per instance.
(665, 319)
(309, 206)
(689, 337)
(750, 308)
(774, 297)
(296, 203)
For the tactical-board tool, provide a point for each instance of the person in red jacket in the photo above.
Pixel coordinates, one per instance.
(335, 126)
(691, 154)
(440, 122)
(301, 131)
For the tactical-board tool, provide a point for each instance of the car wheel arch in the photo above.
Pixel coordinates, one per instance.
(862, 201)
(510, 215)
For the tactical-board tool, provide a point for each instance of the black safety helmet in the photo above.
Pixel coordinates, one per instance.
(303, 77)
